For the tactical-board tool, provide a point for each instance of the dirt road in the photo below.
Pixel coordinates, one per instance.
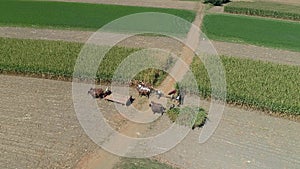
(176, 4)
(39, 129)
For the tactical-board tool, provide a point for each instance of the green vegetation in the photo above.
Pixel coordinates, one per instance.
(266, 9)
(58, 59)
(130, 163)
(185, 116)
(72, 15)
(262, 85)
(258, 31)
(37, 56)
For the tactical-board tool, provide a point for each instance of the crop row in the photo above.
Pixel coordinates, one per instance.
(262, 85)
(265, 9)
(59, 59)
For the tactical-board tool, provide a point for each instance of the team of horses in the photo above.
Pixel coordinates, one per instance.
(143, 90)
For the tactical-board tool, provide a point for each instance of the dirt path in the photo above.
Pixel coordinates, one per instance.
(176, 4)
(258, 53)
(82, 36)
(95, 159)
(39, 129)
(132, 128)
(186, 54)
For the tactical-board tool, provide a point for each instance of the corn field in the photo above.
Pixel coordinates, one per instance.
(265, 9)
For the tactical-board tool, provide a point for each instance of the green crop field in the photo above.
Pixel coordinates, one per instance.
(71, 15)
(257, 31)
(266, 9)
(58, 59)
(262, 85)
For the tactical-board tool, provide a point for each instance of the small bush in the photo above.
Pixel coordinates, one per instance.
(134, 163)
(216, 2)
(186, 116)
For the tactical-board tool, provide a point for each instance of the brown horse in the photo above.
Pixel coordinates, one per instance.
(144, 93)
(98, 92)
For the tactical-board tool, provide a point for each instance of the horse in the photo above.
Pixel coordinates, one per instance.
(99, 93)
(143, 90)
(157, 108)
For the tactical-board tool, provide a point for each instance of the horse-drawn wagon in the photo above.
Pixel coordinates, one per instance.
(118, 98)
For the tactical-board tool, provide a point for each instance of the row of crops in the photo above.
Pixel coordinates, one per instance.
(266, 86)
(253, 30)
(262, 85)
(58, 59)
(265, 9)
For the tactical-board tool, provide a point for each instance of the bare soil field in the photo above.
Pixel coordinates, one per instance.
(176, 4)
(39, 129)
(38, 126)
